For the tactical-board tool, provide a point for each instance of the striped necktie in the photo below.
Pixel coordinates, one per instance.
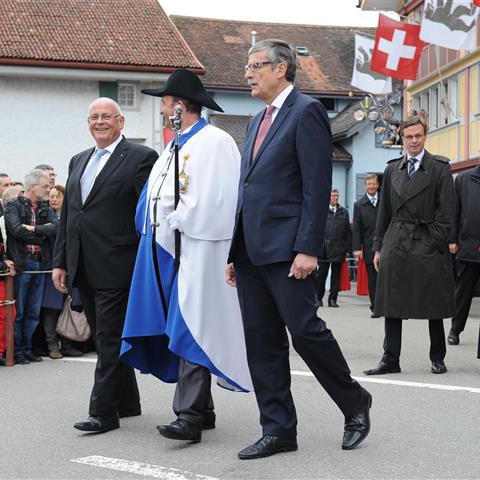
(411, 166)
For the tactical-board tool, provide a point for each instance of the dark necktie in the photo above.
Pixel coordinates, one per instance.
(373, 200)
(263, 130)
(411, 166)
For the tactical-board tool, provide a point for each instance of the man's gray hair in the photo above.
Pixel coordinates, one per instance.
(277, 52)
(335, 189)
(108, 100)
(33, 178)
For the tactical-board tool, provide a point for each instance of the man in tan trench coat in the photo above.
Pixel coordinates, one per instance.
(415, 279)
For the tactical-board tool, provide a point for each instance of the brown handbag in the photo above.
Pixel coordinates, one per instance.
(71, 324)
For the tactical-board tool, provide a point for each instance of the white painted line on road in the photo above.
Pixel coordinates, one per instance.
(145, 469)
(401, 383)
(80, 359)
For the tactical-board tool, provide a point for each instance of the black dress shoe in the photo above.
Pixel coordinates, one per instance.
(21, 360)
(453, 338)
(181, 430)
(375, 315)
(268, 445)
(438, 366)
(32, 357)
(333, 303)
(357, 426)
(209, 418)
(98, 424)
(133, 412)
(382, 368)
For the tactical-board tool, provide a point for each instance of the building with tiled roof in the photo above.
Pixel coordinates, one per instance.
(57, 56)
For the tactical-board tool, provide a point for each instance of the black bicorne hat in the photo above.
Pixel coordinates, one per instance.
(185, 84)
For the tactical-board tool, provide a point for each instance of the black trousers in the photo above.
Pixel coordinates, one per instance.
(468, 274)
(269, 302)
(372, 283)
(115, 387)
(392, 343)
(193, 397)
(334, 279)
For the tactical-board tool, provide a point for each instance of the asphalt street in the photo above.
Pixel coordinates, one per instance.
(424, 426)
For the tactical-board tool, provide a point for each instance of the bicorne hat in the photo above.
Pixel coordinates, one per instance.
(185, 84)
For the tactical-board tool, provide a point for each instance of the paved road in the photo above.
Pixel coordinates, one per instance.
(419, 431)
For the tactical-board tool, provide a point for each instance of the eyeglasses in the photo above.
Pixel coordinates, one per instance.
(104, 117)
(409, 138)
(256, 66)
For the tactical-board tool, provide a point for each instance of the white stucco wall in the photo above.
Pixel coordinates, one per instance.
(43, 120)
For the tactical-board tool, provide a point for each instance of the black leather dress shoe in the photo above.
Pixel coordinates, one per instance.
(382, 368)
(133, 412)
(181, 430)
(98, 424)
(33, 357)
(374, 315)
(357, 426)
(209, 418)
(453, 338)
(333, 303)
(268, 445)
(438, 366)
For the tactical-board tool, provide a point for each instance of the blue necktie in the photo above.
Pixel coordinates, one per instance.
(411, 166)
(90, 173)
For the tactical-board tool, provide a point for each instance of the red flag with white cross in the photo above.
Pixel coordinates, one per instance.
(397, 49)
(477, 2)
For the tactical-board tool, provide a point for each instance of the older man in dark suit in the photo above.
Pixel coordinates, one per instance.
(285, 184)
(96, 247)
(364, 219)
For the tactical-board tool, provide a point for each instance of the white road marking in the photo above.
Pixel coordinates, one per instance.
(145, 469)
(384, 381)
(401, 383)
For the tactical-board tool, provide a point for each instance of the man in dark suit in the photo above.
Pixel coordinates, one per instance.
(285, 184)
(336, 242)
(96, 247)
(364, 219)
(412, 256)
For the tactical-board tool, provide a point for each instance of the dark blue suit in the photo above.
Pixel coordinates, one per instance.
(282, 207)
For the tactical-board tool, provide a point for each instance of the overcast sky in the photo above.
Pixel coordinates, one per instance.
(311, 12)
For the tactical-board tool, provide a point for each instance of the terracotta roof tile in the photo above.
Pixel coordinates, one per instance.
(110, 32)
(222, 45)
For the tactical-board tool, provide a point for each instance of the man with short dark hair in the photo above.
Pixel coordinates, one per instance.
(30, 223)
(412, 256)
(365, 212)
(96, 247)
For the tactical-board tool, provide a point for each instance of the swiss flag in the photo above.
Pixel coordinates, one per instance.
(397, 49)
(477, 2)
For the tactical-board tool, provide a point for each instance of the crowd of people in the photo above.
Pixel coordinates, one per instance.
(153, 263)
(29, 217)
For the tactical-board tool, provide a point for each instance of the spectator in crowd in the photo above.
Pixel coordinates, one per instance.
(17, 183)
(30, 223)
(412, 257)
(336, 243)
(364, 219)
(96, 246)
(7, 267)
(9, 194)
(5, 182)
(465, 242)
(53, 300)
(49, 171)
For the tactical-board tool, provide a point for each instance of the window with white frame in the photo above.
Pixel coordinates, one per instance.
(433, 108)
(127, 95)
(452, 99)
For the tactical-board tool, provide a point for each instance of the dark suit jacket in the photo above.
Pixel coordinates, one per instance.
(103, 228)
(284, 194)
(364, 220)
